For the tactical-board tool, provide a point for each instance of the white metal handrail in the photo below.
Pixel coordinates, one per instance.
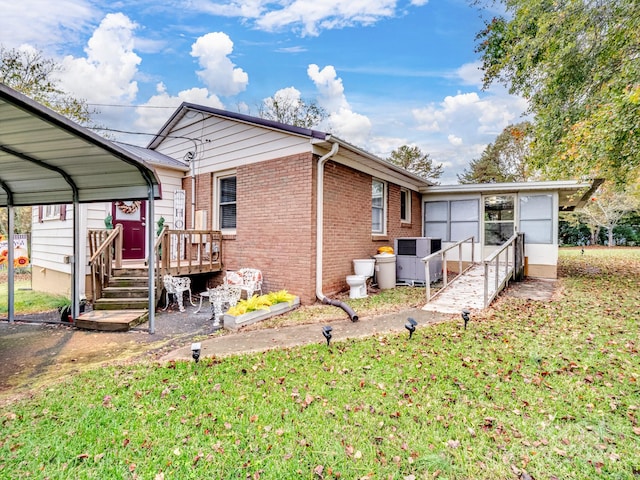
(443, 255)
(508, 249)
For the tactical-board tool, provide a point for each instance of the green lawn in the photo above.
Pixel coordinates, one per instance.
(27, 300)
(543, 390)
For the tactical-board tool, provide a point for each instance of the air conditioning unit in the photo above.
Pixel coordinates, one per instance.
(409, 254)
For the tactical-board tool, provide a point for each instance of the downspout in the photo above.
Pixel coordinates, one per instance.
(320, 235)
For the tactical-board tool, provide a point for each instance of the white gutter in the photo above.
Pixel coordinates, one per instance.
(320, 233)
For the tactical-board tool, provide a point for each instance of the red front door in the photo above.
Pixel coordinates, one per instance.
(132, 216)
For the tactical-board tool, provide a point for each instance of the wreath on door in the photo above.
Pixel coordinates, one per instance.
(128, 208)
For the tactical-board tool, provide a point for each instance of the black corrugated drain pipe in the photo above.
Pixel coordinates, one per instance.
(342, 305)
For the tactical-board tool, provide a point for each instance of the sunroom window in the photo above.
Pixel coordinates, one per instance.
(499, 216)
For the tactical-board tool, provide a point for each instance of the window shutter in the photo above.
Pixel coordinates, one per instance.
(63, 212)
(40, 213)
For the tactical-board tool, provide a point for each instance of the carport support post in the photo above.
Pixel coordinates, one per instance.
(11, 269)
(151, 231)
(75, 267)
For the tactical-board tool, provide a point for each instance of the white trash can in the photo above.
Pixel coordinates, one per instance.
(385, 270)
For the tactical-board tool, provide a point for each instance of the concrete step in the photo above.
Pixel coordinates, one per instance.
(121, 303)
(125, 292)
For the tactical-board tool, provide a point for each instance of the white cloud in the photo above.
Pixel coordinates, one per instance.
(44, 23)
(467, 112)
(151, 115)
(453, 140)
(308, 17)
(345, 123)
(311, 16)
(218, 72)
(106, 73)
(471, 74)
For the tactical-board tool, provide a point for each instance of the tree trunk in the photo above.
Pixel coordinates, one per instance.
(610, 228)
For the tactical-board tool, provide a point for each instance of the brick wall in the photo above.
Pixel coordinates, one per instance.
(275, 232)
(347, 219)
(275, 224)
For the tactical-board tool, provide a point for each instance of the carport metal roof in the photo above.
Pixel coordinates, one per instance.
(47, 159)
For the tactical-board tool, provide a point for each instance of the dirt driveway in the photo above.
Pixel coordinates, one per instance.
(32, 354)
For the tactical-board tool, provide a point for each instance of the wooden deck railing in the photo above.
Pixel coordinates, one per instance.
(188, 252)
(506, 258)
(443, 256)
(105, 250)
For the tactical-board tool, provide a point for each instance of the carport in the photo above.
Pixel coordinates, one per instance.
(46, 159)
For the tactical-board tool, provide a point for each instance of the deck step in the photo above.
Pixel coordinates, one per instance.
(128, 281)
(121, 303)
(111, 320)
(130, 272)
(125, 292)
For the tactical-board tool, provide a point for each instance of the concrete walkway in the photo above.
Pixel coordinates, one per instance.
(261, 340)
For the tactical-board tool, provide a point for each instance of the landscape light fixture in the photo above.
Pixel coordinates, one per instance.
(195, 351)
(465, 317)
(326, 332)
(411, 326)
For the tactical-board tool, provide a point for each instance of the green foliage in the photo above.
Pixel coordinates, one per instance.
(531, 389)
(505, 160)
(252, 304)
(29, 301)
(28, 71)
(412, 159)
(22, 220)
(576, 62)
(281, 296)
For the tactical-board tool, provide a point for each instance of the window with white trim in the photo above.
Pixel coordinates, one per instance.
(52, 212)
(227, 203)
(405, 205)
(378, 207)
(536, 218)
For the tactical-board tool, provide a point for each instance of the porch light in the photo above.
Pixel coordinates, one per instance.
(326, 332)
(195, 351)
(411, 326)
(465, 317)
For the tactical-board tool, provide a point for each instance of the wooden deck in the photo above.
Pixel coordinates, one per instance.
(111, 320)
(467, 292)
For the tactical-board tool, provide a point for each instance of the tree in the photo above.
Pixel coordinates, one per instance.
(412, 159)
(286, 106)
(576, 62)
(28, 71)
(505, 160)
(605, 210)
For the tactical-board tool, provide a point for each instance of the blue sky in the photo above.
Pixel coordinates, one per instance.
(388, 72)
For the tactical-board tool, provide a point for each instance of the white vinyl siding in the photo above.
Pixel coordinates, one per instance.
(228, 144)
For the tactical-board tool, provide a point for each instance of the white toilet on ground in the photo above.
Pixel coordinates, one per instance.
(363, 269)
